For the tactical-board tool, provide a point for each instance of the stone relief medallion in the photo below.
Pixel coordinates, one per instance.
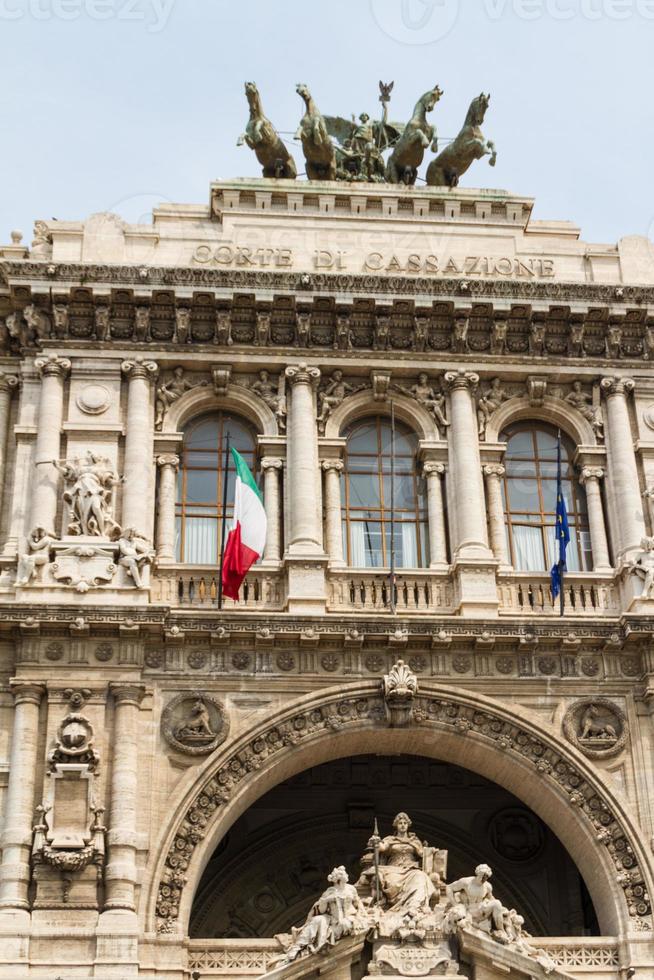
(516, 834)
(194, 723)
(597, 726)
(648, 416)
(54, 651)
(93, 399)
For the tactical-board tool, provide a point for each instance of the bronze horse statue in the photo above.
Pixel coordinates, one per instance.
(262, 137)
(468, 146)
(319, 151)
(408, 153)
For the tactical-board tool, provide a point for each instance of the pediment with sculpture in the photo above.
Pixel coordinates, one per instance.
(415, 922)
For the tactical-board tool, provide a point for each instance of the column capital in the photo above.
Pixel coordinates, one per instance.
(168, 459)
(27, 692)
(8, 382)
(617, 386)
(493, 469)
(431, 468)
(271, 463)
(303, 374)
(461, 379)
(336, 465)
(590, 473)
(52, 366)
(125, 693)
(138, 368)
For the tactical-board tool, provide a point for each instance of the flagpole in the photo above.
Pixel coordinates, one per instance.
(224, 523)
(561, 562)
(392, 576)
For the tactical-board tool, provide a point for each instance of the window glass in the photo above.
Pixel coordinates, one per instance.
(369, 503)
(200, 484)
(529, 495)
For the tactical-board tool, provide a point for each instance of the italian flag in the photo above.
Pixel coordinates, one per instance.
(248, 534)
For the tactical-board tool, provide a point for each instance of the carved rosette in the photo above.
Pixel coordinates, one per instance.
(596, 726)
(365, 708)
(194, 723)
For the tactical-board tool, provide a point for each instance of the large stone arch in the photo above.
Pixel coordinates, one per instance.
(553, 410)
(476, 732)
(362, 404)
(200, 400)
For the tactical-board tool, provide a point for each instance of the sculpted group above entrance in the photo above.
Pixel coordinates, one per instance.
(402, 904)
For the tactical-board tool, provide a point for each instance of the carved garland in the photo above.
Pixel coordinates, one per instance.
(343, 712)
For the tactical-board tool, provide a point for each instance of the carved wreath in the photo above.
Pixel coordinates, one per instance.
(172, 719)
(593, 747)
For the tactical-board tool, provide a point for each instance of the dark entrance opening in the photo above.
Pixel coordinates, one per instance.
(273, 863)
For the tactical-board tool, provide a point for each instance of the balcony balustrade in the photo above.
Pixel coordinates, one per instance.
(197, 586)
(417, 592)
(585, 594)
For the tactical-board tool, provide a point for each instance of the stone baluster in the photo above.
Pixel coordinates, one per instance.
(168, 464)
(137, 467)
(332, 469)
(433, 473)
(494, 473)
(53, 371)
(305, 532)
(16, 839)
(272, 470)
(465, 467)
(8, 384)
(120, 873)
(590, 479)
(622, 466)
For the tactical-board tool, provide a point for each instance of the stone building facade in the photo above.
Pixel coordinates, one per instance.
(176, 779)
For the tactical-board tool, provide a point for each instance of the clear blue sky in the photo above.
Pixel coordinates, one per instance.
(119, 104)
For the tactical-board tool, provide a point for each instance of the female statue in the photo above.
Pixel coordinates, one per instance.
(402, 881)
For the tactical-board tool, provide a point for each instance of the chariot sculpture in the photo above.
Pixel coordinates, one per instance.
(336, 148)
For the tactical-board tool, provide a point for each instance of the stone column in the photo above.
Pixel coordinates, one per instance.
(435, 514)
(137, 467)
(53, 371)
(332, 469)
(272, 469)
(120, 873)
(590, 479)
(16, 839)
(168, 465)
(8, 384)
(494, 473)
(622, 466)
(465, 466)
(305, 532)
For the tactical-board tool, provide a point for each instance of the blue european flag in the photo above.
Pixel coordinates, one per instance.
(562, 528)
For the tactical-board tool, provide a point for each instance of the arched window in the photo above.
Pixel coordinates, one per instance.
(530, 499)
(367, 497)
(200, 484)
